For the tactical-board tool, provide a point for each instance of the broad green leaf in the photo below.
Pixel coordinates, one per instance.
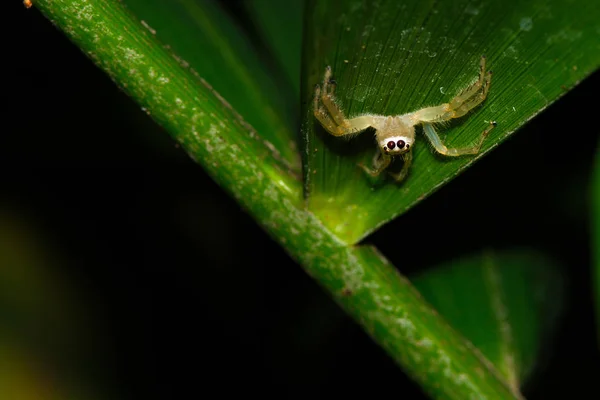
(505, 303)
(595, 237)
(205, 39)
(391, 57)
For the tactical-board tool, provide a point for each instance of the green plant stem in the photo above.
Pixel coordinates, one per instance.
(358, 278)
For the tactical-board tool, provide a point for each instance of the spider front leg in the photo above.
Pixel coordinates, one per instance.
(468, 99)
(407, 157)
(441, 148)
(474, 94)
(380, 162)
(329, 114)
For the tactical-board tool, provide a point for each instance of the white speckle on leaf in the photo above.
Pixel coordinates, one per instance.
(269, 145)
(526, 24)
(352, 271)
(471, 10)
(361, 91)
(131, 55)
(407, 327)
(371, 285)
(85, 12)
(152, 31)
(213, 131)
(163, 79)
(568, 35)
(207, 144)
(444, 361)
(181, 61)
(511, 52)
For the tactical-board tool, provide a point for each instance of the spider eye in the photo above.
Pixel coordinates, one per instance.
(391, 145)
(401, 144)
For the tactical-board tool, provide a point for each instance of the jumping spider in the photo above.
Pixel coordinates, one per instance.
(395, 135)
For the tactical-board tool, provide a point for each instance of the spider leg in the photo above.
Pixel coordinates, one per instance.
(380, 162)
(407, 157)
(322, 114)
(441, 148)
(474, 88)
(330, 115)
(468, 99)
(473, 101)
(328, 99)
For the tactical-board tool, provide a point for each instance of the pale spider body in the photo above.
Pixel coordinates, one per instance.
(395, 135)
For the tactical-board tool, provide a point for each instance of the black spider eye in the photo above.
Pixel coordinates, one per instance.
(407, 146)
(401, 144)
(391, 145)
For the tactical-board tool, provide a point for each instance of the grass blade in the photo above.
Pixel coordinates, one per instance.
(280, 26)
(505, 303)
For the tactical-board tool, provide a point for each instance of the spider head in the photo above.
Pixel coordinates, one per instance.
(395, 145)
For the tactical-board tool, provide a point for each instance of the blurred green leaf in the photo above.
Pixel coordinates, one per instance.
(392, 57)
(25, 375)
(33, 295)
(43, 324)
(505, 303)
(206, 40)
(280, 26)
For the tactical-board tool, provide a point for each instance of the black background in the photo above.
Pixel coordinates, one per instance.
(190, 296)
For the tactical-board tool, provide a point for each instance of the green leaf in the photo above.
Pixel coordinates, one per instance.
(370, 289)
(205, 40)
(391, 57)
(505, 303)
(280, 26)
